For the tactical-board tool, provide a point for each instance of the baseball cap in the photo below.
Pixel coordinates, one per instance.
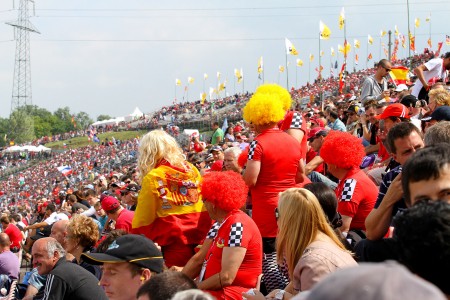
(132, 187)
(441, 113)
(110, 203)
(89, 186)
(394, 110)
(373, 281)
(316, 132)
(401, 87)
(409, 101)
(318, 122)
(216, 148)
(353, 109)
(130, 248)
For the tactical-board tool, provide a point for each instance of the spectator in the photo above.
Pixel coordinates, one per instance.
(9, 262)
(218, 136)
(435, 69)
(230, 160)
(128, 262)
(117, 213)
(426, 175)
(334, 122)
(235, 265)
(14, 234)
(387, 281)
(130, 195)
(306, 242)
(268, 171)
(169, 211)
(65, 280)
(165, 285)
(375, 86)
(82, 235)
(431, 259)
(438, 133)
(356, 193)
(438, 97)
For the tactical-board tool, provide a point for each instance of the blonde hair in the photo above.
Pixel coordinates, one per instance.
(301, 219)
(84, 229)
(440, 96)
(156, 146)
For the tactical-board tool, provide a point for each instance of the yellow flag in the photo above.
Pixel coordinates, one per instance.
(203, 97)
(311, 57)
(205, 76)
(221, 87)
(260, 65)
(281, 69)
(347, 48)
(340, 48)
(290, 49)
(370, 39)
(299, 62)
(382, 33)
(322, 53)
(342, 19)
(218, 75)
(396, 32)
(428, 19)
(417, 22)
(357, 44)
(191, 80)
(238, 75)
(332, 51)
(177, 81)
(325, 32)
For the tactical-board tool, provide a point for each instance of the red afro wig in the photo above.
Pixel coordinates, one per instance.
(226, 190)
(343, 150)
(243, 157)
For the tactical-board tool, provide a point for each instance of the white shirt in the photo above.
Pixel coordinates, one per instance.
(435, 69)
(54, 217)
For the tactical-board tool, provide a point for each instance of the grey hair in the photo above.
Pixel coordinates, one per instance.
(438, 133)
(192, 295)
(235, 150)
(54, 246)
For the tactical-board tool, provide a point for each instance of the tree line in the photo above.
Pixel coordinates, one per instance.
(30, 122)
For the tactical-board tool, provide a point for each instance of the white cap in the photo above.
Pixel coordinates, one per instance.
(401, 87)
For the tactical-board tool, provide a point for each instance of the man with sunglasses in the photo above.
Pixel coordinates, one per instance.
(375, 87)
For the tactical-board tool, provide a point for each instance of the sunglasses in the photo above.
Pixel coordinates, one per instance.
(387, 69)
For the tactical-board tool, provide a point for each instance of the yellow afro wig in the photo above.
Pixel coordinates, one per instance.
(267, 105)
(342, 149)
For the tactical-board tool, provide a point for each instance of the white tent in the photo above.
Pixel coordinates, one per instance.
(136, 114)
(14, 148)
(43, 148)
(30, 148)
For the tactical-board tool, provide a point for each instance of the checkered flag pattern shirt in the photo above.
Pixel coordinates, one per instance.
(348, 189)
(297, 121)
(251, 150)
(213, 231)
(236, 233)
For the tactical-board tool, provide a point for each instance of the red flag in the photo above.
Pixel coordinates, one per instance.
(369, 57)
(447, 40)
(356, 59)
(412, 42)
(429, 43)
(341, 77)
(438, 49)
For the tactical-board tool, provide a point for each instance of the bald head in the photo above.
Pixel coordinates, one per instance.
(4, 240)
(46, 253)
(59, 231)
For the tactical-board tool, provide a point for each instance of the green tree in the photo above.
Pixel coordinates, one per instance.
(64, 120)
(83, 120)
(4, 129)
(21, 126)
(103, 117)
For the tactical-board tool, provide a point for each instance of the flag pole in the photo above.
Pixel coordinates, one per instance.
(409, 34)
(287, 73)
(320, 59)
(296, 69)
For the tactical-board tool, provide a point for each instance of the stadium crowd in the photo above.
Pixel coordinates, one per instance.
(342, 198)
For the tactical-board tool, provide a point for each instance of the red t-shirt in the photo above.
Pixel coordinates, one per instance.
(279, 154)
(357, 195)
(309, 156)
(294, 120)
(237, 230)
(15, 235)
(382, 151)
(124, 220)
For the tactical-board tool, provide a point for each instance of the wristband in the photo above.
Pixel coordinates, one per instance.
(280, 294)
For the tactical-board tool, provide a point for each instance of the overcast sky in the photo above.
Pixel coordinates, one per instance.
(109, 56)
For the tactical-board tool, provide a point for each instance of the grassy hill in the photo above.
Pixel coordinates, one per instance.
(78, 142)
